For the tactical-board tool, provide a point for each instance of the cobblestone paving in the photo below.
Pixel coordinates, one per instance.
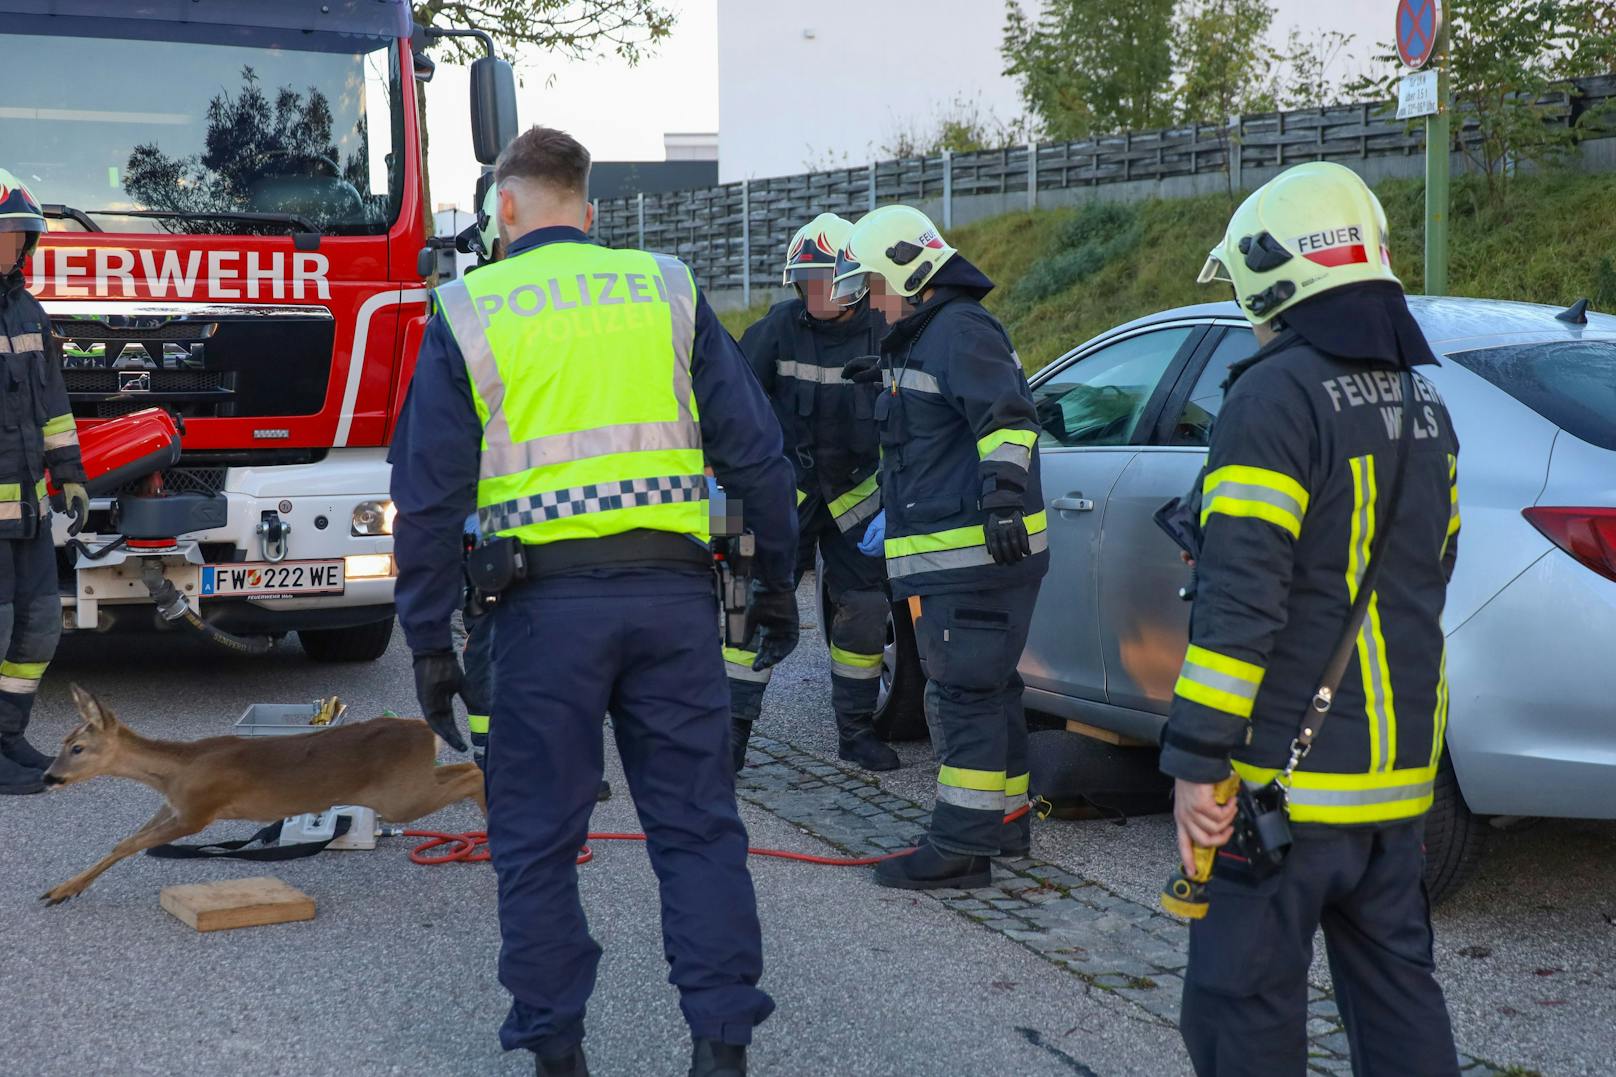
(1134, 953)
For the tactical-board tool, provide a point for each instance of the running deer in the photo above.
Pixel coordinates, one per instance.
(385, 764)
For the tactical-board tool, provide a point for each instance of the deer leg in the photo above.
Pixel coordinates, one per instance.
(163, 827)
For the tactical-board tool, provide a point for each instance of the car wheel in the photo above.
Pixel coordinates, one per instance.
(900, 709)
(1086, 778)
(1454, 837)
(362, 643)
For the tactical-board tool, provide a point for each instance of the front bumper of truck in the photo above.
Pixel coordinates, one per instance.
(276, 515)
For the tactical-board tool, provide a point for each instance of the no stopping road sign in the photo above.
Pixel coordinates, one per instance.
(1419, 22)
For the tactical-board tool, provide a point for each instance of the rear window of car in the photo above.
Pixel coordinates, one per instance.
(1571, 383)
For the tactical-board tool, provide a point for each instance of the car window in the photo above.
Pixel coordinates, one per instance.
(1194, 425)
(1571, 383)
(1098, 399)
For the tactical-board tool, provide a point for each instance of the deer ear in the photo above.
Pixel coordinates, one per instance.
(90, 709)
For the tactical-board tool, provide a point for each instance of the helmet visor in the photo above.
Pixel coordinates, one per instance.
(847, 291)
(808, 271)
(1214, 271)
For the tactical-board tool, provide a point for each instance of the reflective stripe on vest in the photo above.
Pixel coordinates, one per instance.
(959, 547)
(579, 363)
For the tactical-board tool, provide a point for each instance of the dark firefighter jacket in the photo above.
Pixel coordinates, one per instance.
(1298, 475)
(829, 423)
(438, 440)
(957, 422)
(37, 433)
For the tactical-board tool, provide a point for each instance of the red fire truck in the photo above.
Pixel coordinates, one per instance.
(238, 237)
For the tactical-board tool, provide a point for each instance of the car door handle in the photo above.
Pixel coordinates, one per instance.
(1073, 504)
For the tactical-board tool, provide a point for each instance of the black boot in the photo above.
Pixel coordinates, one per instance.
(740, 734)
(18, 780)
(713, 1059)
(930, 868)
(571, 1064)
(16, 748)
(857, 743)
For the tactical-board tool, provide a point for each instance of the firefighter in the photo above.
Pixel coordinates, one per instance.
(573, 394)
(46, 439)
(965, 543)
(1302, 461)
(797, 352)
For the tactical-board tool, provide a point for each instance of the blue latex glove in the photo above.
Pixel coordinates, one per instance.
(875, 535)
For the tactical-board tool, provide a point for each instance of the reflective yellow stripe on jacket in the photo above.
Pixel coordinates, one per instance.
(1255, 492)
(60, 432)
(1386, 796)
(858, 504)
(958, 547)
(1218, 681)
(579, 363)
(1008, 447)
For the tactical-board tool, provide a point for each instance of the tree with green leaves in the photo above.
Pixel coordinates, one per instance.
(1223, 56)
(575, 29)
(1511, 67)
(1092, 66)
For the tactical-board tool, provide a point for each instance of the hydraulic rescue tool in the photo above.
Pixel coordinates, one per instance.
(1185, 895)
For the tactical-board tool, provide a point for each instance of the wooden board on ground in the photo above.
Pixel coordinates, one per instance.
(237, 903)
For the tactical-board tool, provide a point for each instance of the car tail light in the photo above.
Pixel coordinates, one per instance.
(1589, 535)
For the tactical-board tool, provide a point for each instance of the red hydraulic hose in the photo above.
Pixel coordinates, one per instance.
(472, 847)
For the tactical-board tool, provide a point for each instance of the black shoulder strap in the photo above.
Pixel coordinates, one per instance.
(1330, 683)
(237, 850)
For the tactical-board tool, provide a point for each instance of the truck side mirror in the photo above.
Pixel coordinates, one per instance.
(493, 107)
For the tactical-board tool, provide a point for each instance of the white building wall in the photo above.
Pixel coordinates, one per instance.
(808, 86)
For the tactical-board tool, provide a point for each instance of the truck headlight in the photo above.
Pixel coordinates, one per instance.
(372, 518)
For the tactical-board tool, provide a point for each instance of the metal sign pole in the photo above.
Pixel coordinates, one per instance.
(1438, 137)
(746, 244)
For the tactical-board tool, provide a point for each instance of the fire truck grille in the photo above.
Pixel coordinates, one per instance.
(210, 361)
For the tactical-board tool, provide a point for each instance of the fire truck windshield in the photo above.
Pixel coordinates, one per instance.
(206, 134)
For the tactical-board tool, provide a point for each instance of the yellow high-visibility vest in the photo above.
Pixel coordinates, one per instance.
(579, 363)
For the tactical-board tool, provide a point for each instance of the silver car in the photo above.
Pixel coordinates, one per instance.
(1531, 611)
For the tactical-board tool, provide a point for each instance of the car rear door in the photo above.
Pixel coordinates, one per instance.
(1144, 624)
(1094, 407)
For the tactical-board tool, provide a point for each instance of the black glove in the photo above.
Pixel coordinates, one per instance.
(437, 681)
(1004, 529)
(772, 621)
(864, 369)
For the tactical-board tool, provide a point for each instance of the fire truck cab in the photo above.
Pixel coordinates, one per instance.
(238, 235)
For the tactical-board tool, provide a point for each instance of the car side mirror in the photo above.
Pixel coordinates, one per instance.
(493, 107)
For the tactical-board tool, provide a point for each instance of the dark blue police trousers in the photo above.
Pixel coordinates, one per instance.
(643, 646)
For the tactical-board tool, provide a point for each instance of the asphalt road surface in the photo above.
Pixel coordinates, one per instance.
(396, 975)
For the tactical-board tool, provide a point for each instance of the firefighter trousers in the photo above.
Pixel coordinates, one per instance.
(858, 627)
(1245, 992)
(970, 643)
(30, 623)
(638, 644)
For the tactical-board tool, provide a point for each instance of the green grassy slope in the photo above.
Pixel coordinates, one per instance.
(1065, 275)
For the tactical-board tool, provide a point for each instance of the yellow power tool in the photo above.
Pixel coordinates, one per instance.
(1185, 895)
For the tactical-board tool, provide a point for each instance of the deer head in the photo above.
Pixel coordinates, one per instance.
(91, 748)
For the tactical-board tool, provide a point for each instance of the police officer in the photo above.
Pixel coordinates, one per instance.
(40, 437)
(797, 352)
(965, 542)
(573, 394)
(1301, 467)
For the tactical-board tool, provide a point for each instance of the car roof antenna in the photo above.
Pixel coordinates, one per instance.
(1576, 313)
